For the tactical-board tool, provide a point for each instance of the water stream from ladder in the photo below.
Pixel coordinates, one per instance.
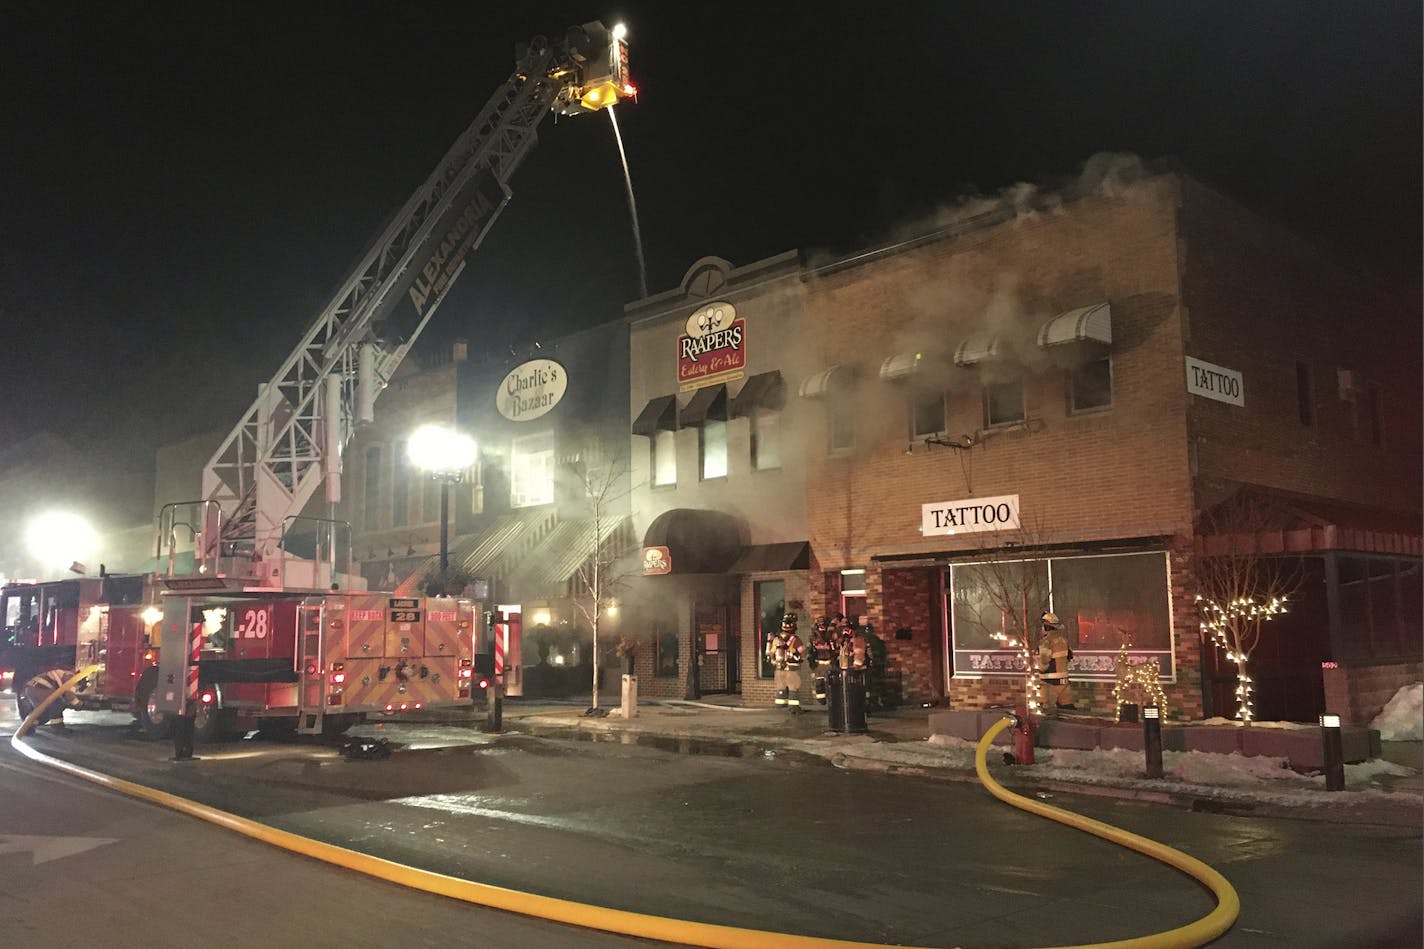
(632, 208)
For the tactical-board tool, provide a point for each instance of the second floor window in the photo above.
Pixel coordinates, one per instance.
(840, 426)
(1090, 386)
(1003, 403)
(712, 442)
(927, 414)
(531, 470)
(372, 500)
(663, 446)
(766, 439)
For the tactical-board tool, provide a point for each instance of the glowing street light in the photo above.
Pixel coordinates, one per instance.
(445, 455)
(60, 539)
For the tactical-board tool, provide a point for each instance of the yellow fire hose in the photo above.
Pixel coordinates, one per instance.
(626, 923)
(1197, 933)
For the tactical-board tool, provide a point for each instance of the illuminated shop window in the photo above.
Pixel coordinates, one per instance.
(712, 446)
(372, 497)
(766, 439)
(664, 461)
(1090, 386)
(927, 414)
(531, 470)
(1003, 402)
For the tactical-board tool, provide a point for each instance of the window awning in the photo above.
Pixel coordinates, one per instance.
(899, 367)
(825, 381)
(546, 570)
(697, 541)
(977, 348)
(763, 390)
(709, 402)
(768, 558)
(660, 414)
(1086, 324)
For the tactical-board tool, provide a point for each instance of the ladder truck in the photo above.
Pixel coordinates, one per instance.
(254, 632)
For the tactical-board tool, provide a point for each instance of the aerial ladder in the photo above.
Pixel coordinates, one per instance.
(288, 445)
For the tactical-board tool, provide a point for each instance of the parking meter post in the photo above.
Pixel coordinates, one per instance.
(1334, 752)
(1152, 739)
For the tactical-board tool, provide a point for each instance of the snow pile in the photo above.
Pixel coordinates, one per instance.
(1402, 718)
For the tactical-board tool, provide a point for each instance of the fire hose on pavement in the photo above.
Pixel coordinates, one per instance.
(665, 929)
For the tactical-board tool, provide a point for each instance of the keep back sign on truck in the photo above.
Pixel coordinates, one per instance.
(713, 349)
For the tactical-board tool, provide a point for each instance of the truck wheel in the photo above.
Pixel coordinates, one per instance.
(155, 725)
(212, 722)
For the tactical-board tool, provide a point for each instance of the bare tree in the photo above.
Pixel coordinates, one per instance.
(1244, 580)
(602, 480)
(1011, 585)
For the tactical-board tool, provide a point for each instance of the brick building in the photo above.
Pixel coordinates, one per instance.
(1096, 374)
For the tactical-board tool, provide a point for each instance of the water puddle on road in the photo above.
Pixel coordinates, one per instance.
(685, 745)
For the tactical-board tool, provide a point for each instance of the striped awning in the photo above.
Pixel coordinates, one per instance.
(1086, 324)
(979, 347)
(825, 382)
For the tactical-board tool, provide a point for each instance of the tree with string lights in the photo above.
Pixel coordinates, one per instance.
(1242, 583)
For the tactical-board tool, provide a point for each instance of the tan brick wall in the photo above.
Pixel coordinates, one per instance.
(1258, 299)
(1358, 692)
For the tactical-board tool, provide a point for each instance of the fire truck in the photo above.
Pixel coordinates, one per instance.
(241, 621)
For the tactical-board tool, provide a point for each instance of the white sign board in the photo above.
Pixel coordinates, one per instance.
(970, 515)
(1211, 381)
(531, 390)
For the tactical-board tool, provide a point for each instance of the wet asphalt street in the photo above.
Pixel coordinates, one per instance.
(745, 837)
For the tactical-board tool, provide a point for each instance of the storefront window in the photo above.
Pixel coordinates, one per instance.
(665, 653)
(712, 445)
(1103, 601)
(663, 446)
(771, 607)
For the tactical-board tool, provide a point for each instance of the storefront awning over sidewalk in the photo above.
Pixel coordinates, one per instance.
(697, 541)
(771, 558)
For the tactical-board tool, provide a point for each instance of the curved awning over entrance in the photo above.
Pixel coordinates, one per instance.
(694, 541)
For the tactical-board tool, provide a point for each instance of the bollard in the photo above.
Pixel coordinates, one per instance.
(183, 738)
(494, 721)
(1152, 739)
(630, 696)
(1334, 752)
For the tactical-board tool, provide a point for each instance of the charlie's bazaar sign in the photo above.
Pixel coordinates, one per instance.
(713, 350)
(970, 515)
(531, 389)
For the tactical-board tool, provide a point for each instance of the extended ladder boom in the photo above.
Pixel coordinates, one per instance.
(290, 440)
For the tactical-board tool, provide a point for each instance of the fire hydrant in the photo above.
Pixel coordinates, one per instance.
(1023, 729)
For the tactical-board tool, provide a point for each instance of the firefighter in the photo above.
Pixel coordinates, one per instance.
(1053, 654)
(38, 688)
(785, 651)
(853, 651)
(823, 656)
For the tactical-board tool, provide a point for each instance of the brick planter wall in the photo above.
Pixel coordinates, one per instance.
(1358, 691)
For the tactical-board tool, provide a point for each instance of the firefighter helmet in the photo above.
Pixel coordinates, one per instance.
(822, 625)
(1050, 620)
(788, 621)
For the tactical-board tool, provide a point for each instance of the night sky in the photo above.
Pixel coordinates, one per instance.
(182, 185)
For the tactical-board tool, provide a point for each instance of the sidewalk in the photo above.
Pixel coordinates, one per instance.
(1384, 790)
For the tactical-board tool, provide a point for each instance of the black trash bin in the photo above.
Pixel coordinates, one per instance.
(835, 700)
(853, 685)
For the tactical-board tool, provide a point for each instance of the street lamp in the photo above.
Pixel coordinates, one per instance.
(445, 455)
(57, 538)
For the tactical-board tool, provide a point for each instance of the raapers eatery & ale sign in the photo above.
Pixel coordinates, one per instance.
(531, 389)
(970, 515)
(713, 350)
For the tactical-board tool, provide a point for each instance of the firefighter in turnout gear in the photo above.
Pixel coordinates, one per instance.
(1053, 655)
(823, 656)
(785, 651)
(853, 652)
(38, 688)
